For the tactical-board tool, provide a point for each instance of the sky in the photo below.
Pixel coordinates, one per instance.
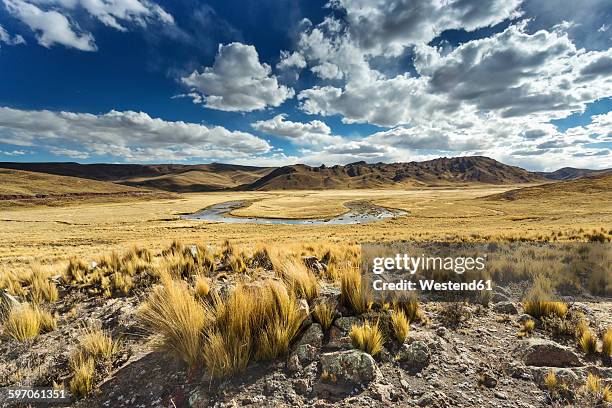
(276, 82)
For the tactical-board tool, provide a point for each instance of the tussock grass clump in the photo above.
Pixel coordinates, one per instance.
(323, 314)
(551, 382)
(201, 287)
(41, 288)
(75, 271)
(261, 258)
(122, 283)
(98, 344)
(353, 293)
(606, 340)
(27, 321)
(527, 327)
(588, 342)
(298, 278)
(83, 369)
(367, 337)
(253, 322)
(172, 311)
(400, 325)
(596, 390)
(409, 306)
(235, 263)
(545, 308)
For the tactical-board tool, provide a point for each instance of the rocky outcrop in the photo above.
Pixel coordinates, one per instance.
(546, 353)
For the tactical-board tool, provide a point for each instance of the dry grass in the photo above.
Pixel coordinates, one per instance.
(323, 314)
(527, 327)
(594, 387)
(551, 382)
(400, 325)
(588, 342)
(410, 306)
(83, 369)
(27, 321)
(172, 311)
(201, 287)
(253, 322)
(606, 340)
(367, 337)
(353, 293)
(298, 278)
(542, 308)
(41, 288)
(98, 344)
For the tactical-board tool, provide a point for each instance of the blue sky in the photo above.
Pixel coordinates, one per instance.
(277, 82)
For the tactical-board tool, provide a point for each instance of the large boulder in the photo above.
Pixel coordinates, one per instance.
(351, 367)
(547, 353)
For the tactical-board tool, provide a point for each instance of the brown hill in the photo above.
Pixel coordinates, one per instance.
(571, 173)
(16, 183)
(596, 185)
(168, 177)
(443, 171)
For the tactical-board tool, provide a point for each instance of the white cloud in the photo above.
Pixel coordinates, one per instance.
(388, 26)
(128, 135)
(291, 60)
(13, 152)
(314, 133)
(6, 38)
(327, 70)
(237, 81)
(51, 27)
(55, 21)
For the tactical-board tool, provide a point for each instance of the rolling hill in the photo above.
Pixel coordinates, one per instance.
(218, 177)
(593, 185)
(17, 184)
(167, 177)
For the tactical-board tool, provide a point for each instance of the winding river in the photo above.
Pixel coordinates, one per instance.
(359, 212)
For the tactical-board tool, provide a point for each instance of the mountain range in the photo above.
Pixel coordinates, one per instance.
(217, 177)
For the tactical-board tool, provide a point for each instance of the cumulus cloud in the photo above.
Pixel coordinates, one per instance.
(55, 21)
(129, 135)
(13, 152)
(311, 133)
(237, 81)
(387, 27)
(6, 38)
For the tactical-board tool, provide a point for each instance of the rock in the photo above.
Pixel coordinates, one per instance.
(382, 392)
(306, 353)
(441, 331)
(352, 367)
(338, 340)
(345, 323)
(500, 395)
(415, 354)
(523, 318)
(304, 308)
(434, 399)
(547, 353)
(312, 336)
(488, 380)
(565, 376)
(302, 386)
(432, 340)
(314, 264)
(7, 301)
(499, 297)
(505, 307)
(293, 363)
(404, 384)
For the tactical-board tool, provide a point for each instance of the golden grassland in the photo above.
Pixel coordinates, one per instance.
(48, 234)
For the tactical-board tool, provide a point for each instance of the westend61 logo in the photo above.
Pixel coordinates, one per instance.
(464, 271)
(438, 267)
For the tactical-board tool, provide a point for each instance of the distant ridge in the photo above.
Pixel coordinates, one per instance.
(442, 171)
(571, 173)
(218, 177)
